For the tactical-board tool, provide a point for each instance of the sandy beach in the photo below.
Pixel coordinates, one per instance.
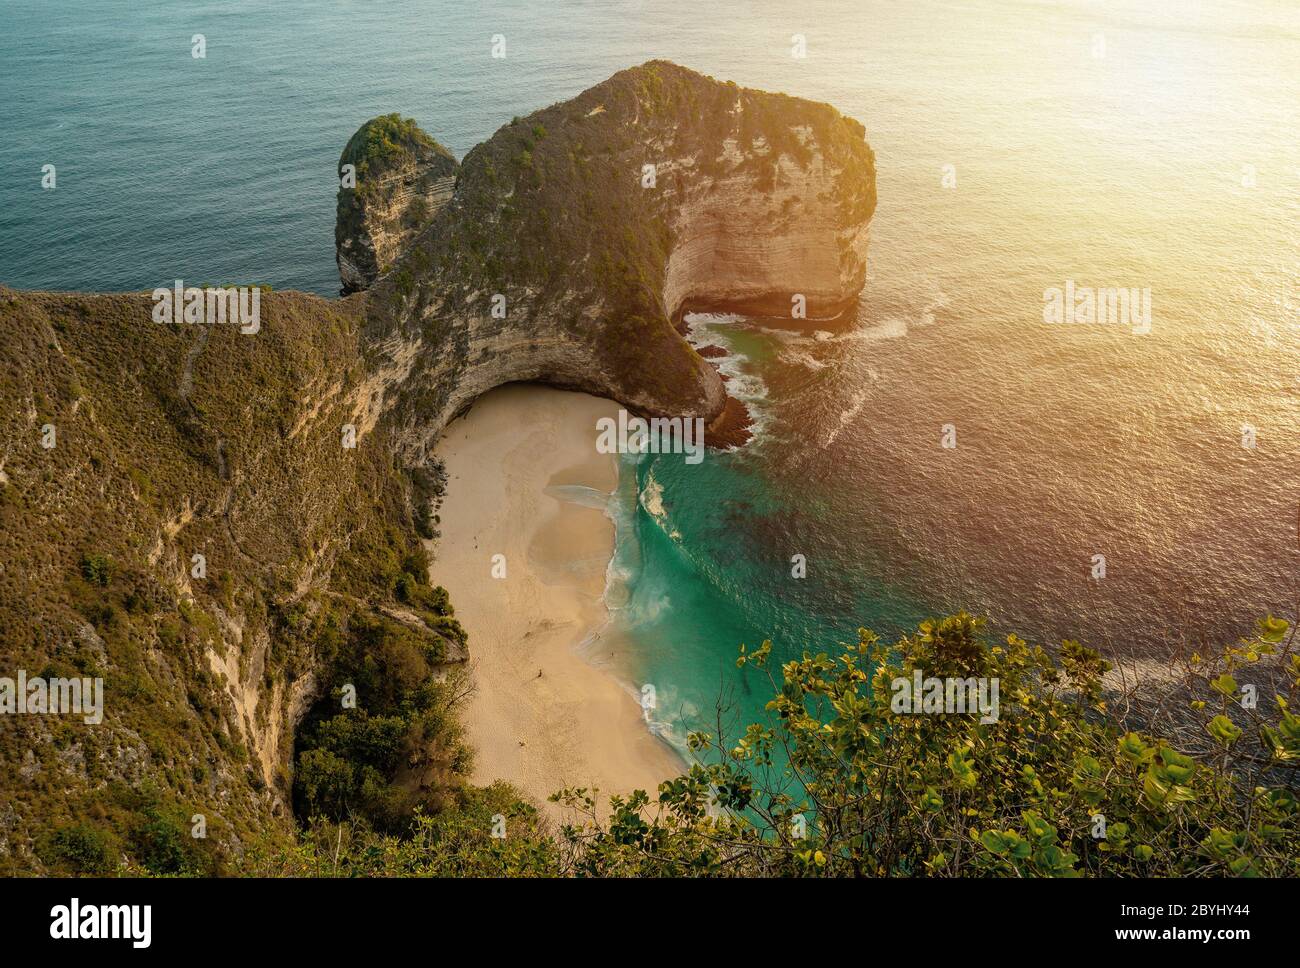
(542, 717)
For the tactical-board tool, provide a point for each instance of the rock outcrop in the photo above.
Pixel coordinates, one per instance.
(564, 250)
(579, 236)
(397, 179)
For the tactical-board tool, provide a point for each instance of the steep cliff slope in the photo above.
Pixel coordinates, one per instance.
(398, 178)
(292, 459)
(128, 448)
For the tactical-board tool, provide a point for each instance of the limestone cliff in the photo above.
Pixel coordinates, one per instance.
(564, 250)
(395, 178)
(578, 236)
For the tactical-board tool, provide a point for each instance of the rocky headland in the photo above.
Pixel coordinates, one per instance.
(394, 179)
(577, 238)
(294, 462)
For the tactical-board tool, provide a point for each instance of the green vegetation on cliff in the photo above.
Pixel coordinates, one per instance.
(381, 142)
(839, 783)
(383, 138)
(198, 535)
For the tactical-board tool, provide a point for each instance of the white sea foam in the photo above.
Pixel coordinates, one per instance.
(652, 499)
(705, 329)
(806, 360)
(847, 416)
(625, 563)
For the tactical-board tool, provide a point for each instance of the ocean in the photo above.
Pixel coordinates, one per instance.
(1021, 146)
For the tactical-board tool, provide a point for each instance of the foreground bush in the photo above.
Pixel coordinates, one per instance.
(1054, 787)
(839, 782)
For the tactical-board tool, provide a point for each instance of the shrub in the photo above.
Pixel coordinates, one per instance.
(161, 843)
(80, 848)
(1055, 786)
(97, 569)
(842, 781)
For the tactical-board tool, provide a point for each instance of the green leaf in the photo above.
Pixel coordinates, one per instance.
(1223, 729)
(1272, 629)
(1134, 749)
(995, 842)
(1225, 684)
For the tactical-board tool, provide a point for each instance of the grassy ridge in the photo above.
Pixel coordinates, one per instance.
(170, 442)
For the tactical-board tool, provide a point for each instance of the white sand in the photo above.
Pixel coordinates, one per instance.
(575, 724)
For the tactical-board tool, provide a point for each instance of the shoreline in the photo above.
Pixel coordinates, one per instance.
(542, 716)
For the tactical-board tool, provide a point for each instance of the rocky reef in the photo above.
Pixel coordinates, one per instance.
(293, 461)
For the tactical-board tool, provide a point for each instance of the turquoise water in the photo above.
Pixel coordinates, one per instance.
(1167, 164)
(705, 562)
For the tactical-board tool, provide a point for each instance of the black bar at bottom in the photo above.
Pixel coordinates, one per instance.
(334, 917)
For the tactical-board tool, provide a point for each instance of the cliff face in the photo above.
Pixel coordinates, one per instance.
(397, 179)
(571, 244)
(772, 228)
(577, 237)
(183, 515)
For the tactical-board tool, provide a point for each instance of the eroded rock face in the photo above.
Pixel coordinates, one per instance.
(786, 244)
(578, 237)
(402, 178)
